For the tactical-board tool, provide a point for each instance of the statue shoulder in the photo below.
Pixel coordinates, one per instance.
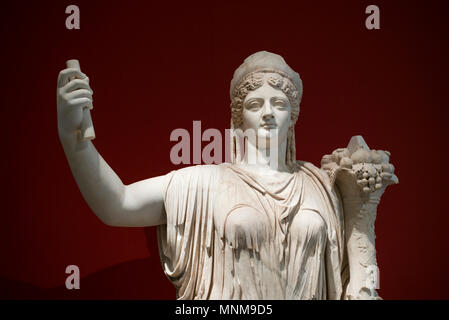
(197, 173)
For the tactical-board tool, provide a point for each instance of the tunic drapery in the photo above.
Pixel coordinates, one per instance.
(232, 234)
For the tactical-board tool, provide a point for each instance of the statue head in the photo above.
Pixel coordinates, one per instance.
(265, 78)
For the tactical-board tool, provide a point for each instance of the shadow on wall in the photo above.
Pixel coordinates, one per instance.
(137, 279)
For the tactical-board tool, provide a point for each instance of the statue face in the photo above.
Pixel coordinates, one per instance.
(265, 109)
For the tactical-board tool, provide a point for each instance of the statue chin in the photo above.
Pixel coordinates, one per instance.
(269, 138)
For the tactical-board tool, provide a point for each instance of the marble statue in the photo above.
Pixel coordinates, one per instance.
(245, 229)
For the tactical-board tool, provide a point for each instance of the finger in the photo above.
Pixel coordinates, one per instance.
(66, 74)
(77, 84)
(82, 102)
(80, 93)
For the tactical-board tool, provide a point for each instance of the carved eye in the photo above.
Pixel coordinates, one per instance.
(253, 105)
(281, 104)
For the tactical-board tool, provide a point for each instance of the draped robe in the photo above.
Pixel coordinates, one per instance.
(233, 234)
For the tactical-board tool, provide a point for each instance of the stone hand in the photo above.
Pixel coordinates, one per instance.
(73, 95)
(139, 204)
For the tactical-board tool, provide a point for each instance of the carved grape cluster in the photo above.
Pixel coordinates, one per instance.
(368, 178)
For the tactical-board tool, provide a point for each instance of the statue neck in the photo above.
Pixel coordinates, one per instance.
(271, 157)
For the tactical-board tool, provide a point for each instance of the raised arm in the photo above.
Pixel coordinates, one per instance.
(139, 204)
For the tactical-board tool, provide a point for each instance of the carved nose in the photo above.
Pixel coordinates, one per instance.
(267, 111)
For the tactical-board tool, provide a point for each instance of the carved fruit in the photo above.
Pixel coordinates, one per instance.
(387, 167)
(361, 156)
(346, 163)
(386, 175)
(339, 153)
(362, 183)
(326, 159)
(377, 159)
(384, 155)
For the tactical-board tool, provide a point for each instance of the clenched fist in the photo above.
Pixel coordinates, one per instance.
(73, 95)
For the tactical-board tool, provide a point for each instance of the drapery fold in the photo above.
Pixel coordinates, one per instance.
(231, 234)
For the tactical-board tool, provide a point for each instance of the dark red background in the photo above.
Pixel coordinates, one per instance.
(157, 67)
